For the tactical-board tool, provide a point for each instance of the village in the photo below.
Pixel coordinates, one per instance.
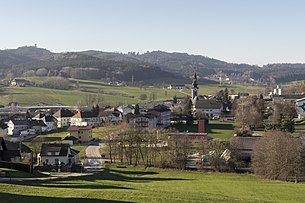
(186, 123)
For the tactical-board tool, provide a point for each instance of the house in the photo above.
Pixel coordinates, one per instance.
(126, 109)
(38, 125)
(176, 87)
(209, 107)
(16, 126)
(243, 148)
(85, 118)
(48, 119)
(143, 108)
(20, 82)
(63, 117)
(25, 151)
(111, 116)
(57, 153)
(300, 105)
(163, 114)
(71, 140)
(8, 153)
(3, 129)
(143, 121)
(82, 133)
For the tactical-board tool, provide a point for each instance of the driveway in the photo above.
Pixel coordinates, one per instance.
(94, 160)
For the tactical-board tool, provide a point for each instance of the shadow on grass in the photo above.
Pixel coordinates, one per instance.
(62, 184)
(118, 175)
(139, 173)
(12, 198)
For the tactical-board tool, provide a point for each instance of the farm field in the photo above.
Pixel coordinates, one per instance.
(153, 185)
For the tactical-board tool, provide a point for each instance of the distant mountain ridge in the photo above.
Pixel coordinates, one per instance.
(150, 66)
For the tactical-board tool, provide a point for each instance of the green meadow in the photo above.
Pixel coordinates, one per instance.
(89, 90)
(152, 185)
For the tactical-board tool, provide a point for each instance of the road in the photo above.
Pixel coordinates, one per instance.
(94, 160)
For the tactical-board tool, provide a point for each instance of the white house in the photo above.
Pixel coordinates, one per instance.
(176, 87)
(111, 116)
(85, 118)
(16, 126)
(53, 154)
(163, 115)
(63, 117)
(209, 107)
(148, 121)
(129, 109)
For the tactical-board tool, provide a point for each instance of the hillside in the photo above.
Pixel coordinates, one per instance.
(155, 67)
(134, 184)
(33, 61)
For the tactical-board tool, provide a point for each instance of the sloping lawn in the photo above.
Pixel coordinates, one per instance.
(153, 185)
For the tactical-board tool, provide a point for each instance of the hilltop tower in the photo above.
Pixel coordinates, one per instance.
(194, 87)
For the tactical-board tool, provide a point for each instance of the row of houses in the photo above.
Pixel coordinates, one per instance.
(148, 116)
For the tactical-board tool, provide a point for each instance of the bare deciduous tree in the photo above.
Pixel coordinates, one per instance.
(278, 156)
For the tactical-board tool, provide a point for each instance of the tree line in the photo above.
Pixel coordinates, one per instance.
(158, 148)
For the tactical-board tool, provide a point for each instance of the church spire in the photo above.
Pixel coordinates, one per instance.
(195, 84)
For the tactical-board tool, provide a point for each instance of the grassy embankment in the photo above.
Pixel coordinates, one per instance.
(153, 185)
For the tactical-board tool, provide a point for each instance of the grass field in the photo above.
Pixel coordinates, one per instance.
(88, 90)
(11, 173)
(221, 130)
(102, 92)
(212, 89)
(152, 185)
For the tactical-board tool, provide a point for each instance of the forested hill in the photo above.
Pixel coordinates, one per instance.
(185, 64)
(150, 67)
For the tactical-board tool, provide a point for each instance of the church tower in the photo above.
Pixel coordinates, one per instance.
(195, 87)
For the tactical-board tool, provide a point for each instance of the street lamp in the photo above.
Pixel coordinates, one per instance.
(81, 167)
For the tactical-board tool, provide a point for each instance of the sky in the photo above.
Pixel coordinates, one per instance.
(256, 32)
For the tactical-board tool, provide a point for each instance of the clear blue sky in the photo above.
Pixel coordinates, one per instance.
(242, 31)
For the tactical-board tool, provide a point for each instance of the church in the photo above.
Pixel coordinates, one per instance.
(209, 107)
